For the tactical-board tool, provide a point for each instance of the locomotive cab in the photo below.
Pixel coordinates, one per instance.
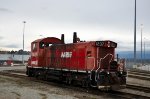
(37, 49)
(38, 53)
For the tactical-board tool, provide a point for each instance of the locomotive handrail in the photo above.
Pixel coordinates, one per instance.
(100, 63)
(94, 63)
(93, 66)
(104, 58)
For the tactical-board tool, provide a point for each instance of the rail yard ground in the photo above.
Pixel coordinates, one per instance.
(17, 88)
(20, 88)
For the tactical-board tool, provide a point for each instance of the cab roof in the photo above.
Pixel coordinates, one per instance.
(49, 39)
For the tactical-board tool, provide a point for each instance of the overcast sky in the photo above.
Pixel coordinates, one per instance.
(91, 19)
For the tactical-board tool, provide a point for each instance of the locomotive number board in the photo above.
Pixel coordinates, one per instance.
(106, 44)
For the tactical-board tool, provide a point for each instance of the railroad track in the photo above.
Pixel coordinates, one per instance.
(139, 72)
(139, 88)
(139, 75)
(125, 95)
(116, 94)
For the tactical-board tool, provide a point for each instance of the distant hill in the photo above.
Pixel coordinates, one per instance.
(130, 54)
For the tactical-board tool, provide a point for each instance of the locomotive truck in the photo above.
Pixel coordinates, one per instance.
(89, 63)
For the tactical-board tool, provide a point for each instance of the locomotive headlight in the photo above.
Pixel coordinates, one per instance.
(121, 72)
(108, 73)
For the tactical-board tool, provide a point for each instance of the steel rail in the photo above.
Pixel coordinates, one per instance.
(139, 73)
(139, 77)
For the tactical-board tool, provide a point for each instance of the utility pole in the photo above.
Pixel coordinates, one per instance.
(23, 42)
(141, 45)
(144, 52)
(135, 35)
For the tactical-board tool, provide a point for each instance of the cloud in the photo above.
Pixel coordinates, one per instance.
(12, 46)
(93, 20)
(5, 10)
(1, 37)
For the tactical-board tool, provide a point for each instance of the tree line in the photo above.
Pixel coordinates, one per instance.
(19, 52)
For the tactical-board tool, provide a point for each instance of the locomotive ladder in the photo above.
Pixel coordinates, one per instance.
(94, 75)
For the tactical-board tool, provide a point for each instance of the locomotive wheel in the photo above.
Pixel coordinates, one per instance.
(29, 72)
(68, 81)
(36, 75)
(85, 83)
(45, 76)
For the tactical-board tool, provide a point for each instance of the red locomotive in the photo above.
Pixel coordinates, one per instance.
(89, 63)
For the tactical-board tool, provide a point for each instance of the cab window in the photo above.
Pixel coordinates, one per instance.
(34, 46)
(44, 44)
(48, 44)
(89, 53)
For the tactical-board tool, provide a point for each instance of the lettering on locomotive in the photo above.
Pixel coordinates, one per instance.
(99, 43)
(34, 62)
(106, 44)
(66, 54)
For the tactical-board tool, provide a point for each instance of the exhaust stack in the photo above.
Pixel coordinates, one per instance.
(62, 38)
(75, 37)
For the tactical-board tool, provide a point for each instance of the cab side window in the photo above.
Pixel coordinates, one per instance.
(42, 44)
(34, 46)
(48, 44)
(89, 53)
